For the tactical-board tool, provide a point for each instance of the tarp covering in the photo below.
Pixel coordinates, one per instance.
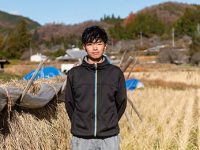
(131, 84)
(46, 72)
(43, 97)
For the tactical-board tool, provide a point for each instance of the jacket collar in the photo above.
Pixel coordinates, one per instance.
(100, 66)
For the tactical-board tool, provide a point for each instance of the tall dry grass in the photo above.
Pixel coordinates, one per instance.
(171, 116)
(188, 77)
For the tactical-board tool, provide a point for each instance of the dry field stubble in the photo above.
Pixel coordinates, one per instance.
(26, 67)
(170, 106)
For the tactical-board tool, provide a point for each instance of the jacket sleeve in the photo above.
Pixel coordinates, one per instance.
(121, 97)
(69, 101)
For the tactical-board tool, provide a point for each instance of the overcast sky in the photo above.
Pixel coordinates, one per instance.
(76, 11)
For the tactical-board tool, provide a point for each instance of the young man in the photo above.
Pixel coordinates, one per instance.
(95, 96)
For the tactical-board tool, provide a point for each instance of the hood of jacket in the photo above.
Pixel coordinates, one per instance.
(100, 66)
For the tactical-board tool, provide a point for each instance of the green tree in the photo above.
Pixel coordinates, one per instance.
(187, 24)
(145, 23)
(112, 19)
(118, 32)
(1, 42)
(195, 46)
(57, 53)
(18, 41)
(194, 51)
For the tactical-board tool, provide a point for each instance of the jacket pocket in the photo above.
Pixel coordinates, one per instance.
(82, 123)
(108, 121)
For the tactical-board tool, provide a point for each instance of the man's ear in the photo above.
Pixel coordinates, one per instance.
(105, 47)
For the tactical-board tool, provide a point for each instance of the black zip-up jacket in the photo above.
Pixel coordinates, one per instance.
(95, 99)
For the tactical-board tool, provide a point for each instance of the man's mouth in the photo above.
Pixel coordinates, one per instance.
(95, 53)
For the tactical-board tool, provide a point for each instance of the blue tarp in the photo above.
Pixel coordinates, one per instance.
(131, 84)
(46, 72)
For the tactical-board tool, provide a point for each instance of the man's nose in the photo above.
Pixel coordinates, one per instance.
(95, 46)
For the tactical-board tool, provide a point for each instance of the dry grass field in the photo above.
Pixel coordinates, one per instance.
(169, 105)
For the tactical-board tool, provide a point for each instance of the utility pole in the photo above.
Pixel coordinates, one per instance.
(198, 29)
(173, 43)
(141, 39)
(30, 50)
(112, 43)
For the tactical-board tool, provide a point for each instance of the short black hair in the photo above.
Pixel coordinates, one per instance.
(93, 34)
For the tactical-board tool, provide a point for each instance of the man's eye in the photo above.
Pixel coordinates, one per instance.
(89, 44)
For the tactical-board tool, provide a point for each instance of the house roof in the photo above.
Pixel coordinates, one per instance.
(76, 54)
(72, 55)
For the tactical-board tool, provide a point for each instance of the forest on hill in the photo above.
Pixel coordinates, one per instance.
(156, 21)
(9, 21)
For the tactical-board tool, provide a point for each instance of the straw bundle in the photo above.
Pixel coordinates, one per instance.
(41, 128)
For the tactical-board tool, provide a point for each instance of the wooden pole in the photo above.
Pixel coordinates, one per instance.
(128, 76)
(122, 58)
(129, 119)
(127, 63)
(135, 109)
(123, 68)
(32, 79)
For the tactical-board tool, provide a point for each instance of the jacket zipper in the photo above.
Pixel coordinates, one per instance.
(95, 102)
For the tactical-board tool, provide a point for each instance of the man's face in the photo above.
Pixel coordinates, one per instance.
(95, 49)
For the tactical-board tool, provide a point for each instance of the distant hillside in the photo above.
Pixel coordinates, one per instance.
(167, 12)
(48, 31)
(9, 21)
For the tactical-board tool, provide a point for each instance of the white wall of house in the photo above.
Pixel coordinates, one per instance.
(38, 57)
(66, 67)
